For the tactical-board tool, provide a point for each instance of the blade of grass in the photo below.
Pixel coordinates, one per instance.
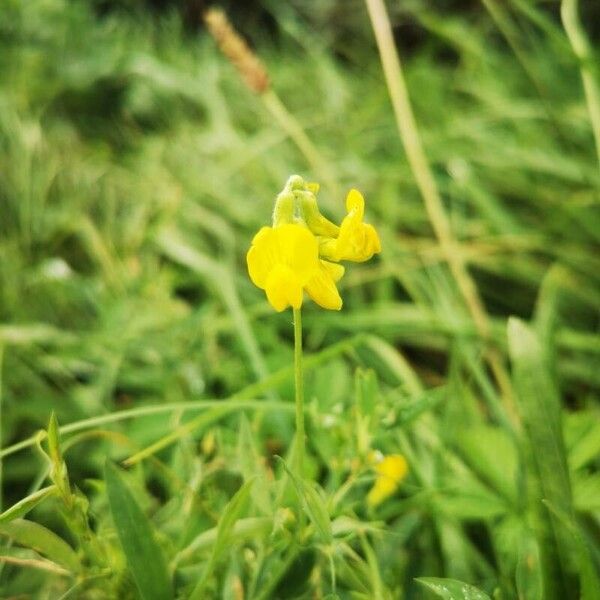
(23, 506)
(451, 589)
(144, 556)
(225, 529)
(42, 540)
(539, 405)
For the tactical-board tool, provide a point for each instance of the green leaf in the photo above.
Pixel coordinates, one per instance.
(492, 454)
(589, 579)
(54, 440)
(367, 392)
(394, 363)
(42, 540)
(468, 505)
(408, 411)
(586, 446)
(22, 507)
(540, 409)
(144, 556)
(528, 572)
(248, 528)
(225, 529)
(452, 589)
(539, 406)
(251, 466)
(586, 492)
(313, 504)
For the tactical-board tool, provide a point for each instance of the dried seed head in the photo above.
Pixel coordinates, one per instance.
(237, 51)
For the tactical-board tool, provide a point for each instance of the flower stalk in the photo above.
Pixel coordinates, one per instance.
(299, 385)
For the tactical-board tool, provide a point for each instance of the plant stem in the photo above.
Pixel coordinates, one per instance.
(299, 382)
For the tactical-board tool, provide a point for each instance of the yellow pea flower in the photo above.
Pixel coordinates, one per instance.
(390, 470)
(357, 241)
(295, 254)
(284, 261)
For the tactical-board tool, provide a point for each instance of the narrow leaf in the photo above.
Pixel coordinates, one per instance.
(251, 465)
(22, 507)
(590, 581)
(545, 455)
(225, 528)
(42, 540)
(313, 504)
(452, 589)
(144, 556)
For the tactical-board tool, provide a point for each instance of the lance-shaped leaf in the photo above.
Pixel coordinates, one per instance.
(42, 540)
(452, 589)
(144, 556)
(22, 507)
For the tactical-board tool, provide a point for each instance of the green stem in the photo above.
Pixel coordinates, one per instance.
(299, 381)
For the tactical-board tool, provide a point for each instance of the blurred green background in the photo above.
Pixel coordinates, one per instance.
(135, 167)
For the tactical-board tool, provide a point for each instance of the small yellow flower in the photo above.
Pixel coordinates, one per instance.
(391, 470)
(357, 241)
(295, 254)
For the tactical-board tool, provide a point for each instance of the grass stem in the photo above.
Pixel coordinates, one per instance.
(299, 384)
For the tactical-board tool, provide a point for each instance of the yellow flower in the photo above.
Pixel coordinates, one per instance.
(391, 470)
(284, 260)
(357, 241)
(296, 254)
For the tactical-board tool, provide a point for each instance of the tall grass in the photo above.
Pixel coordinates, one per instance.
(135, 168)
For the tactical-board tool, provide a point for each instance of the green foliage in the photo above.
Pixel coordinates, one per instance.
(135, 168)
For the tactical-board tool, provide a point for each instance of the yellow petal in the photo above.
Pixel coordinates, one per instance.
(262, 256)
(357, 241)
(391, 470)
(371, 244)
(336, 271)
(355, 202)
(281, 261)
(393, 467)
(321, 287)
(283, 288)
(381, 491)
(298, 249)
